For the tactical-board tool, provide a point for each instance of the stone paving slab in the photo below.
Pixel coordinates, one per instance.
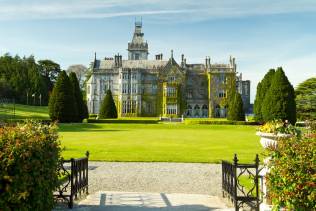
(142, 201)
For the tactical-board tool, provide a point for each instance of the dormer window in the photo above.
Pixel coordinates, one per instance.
(172, 78)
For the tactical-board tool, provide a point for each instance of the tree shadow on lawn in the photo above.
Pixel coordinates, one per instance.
(84, 127)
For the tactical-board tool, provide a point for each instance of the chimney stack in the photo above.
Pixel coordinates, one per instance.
(118, 60)
(159, 56)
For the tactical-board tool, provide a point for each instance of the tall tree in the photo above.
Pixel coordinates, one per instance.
(306, 99)
(108, 108)
(62, 106)
(262, 90)
(279, 102)
(50, 71)
(81, 106)
(235, 108)
(80, 71)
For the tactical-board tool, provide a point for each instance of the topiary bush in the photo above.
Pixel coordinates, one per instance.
(279, 101)
(235, 108)
(108, 108)
(292, 178)
(62, 104)
(81, 105)
(29, 154)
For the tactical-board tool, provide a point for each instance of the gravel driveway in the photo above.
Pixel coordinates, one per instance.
(159, 177)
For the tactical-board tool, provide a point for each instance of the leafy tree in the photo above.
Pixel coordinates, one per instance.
(81, 106)
(50, 71)
(108, 108)
(235, 108)
(306, 99)
(262, 90)
(62, 106)
(21, 77)
(80, 71)
(279, 102)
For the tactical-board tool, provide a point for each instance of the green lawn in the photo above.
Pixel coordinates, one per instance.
(23, 112)
(160, 142)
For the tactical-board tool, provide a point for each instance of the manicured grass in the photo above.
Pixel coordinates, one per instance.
(160, 142)
(24, 112)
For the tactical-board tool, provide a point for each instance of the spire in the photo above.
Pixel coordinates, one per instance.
(171, 53)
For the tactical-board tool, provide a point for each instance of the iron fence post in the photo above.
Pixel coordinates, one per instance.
(235, 182)
(71, 183)
(257, 181)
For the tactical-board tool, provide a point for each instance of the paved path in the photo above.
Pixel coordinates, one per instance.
(135, 201)
(159, 177)
(139, 186)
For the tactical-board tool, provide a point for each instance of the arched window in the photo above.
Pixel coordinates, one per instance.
(197, 111)
(217, 111)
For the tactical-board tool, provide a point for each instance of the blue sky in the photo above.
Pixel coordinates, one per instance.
(260, 34)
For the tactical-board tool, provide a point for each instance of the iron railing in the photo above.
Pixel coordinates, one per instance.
(232, 186)
(73, 177)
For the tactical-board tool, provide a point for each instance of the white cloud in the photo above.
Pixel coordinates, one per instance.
(204, 9)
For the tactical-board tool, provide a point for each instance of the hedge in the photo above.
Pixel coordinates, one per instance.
(132, 121)
(29, 154)
(215, 122)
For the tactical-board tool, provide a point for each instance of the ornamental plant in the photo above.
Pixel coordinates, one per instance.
(29, 154)
(291, 180)
(278, 127)
(108, 108)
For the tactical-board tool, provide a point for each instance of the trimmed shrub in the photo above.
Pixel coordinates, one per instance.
(279, 102)
(121, 121)
(262, 90)
(62, 105)
(81, 105)
(292, 178)
(29, 154)
(214, 122)
(108, 108)
(235, 109)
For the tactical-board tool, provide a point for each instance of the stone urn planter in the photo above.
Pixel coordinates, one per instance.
(270, 139)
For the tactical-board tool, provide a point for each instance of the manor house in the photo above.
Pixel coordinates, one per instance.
(163, 87)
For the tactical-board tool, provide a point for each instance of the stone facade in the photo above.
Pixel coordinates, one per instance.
(142, 87)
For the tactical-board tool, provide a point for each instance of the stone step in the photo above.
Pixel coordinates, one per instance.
(141, 201)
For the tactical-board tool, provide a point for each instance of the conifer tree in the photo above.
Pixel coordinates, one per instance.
(62, 105)
(108, 108)
(262, 90)
(235, 108)
(81, 106)
(306, 99)
(279, 102)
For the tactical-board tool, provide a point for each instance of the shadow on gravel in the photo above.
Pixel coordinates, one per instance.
(135, 208)
(132, 202)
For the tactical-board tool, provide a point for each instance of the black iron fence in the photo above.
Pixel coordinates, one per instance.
(240, 183)
(73, 177)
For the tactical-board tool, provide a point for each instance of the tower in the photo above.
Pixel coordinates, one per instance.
(138, 49)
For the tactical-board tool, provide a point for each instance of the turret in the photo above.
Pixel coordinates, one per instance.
(138, 48)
